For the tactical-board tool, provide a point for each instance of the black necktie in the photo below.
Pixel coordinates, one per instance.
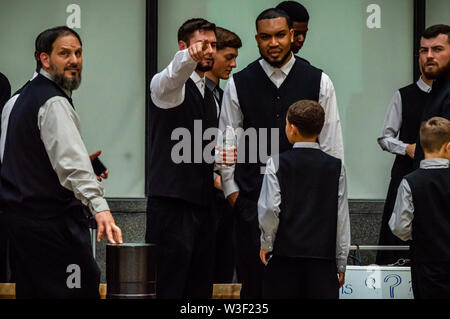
(216, 94)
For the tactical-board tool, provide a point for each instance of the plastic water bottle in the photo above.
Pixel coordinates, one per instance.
(228, 137)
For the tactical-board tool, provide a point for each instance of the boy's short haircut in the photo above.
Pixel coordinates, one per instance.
(227, 39)
(434, 133)
(307, 116)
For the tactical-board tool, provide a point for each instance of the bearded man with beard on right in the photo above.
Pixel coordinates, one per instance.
(434, 54)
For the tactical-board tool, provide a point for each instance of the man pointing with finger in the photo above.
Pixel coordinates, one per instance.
(178, 210)
(46, 176)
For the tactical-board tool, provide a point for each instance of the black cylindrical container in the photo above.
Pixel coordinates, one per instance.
(130, 271)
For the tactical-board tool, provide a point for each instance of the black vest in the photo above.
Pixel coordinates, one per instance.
(438, 105)
(265, 106)
(309, 184)
(413, 103)
(431, 224)
(192, 182)
(29, 185)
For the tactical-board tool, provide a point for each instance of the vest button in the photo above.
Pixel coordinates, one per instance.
(278, 116)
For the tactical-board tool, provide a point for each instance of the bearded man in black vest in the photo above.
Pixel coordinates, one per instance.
(399, 135)
(47, 176)
(179, 221)
(434, 53)
(258, 97)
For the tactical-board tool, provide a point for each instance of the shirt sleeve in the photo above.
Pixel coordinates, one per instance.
(330, 138)
(343, 224)
(392, 124)
(167, 87)
(231, 115)
(60, 134)
(269, 206)
(403, 213)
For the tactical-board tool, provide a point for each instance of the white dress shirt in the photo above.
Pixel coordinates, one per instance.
(269, 209)
(59, 127)
(168, 86)
(330, 138)
(403, 213)
(388, 140)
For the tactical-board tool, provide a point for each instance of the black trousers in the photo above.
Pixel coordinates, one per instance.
(385, 257)
(4, 259)
(224, 257)
(248, 243)
(183, 233)
(431, 280)
(52, 258)
(295, 278)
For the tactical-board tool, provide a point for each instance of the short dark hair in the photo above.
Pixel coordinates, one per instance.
(435, 30)
(273, 13)
(226, 38)
(190, 26)
(296, 11)
(307, 116)
(44, 41)
(434, 133)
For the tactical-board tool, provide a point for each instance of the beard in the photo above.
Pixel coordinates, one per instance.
(64, 82)
(203, 68)
(436, 74)
(277, 64)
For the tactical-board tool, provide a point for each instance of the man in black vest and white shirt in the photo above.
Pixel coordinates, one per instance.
(47, 175)
(398, 136)
(259, 97)
(180, 189)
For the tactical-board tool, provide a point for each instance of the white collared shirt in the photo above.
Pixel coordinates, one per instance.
(168, 86)
(388, 140)
(330, 138)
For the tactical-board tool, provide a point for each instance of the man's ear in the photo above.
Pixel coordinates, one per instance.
(182, 45)
(45, 60)
(294, 130)
(447, 147)
(291, 31)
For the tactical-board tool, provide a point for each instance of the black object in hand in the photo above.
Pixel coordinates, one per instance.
(98, 166)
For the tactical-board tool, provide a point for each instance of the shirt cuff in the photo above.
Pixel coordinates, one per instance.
(229, 187)
(98, 205)
(267, 243)
(341, 265)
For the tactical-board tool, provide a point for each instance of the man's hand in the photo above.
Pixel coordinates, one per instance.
(226, 156)
(107, 228)
(410, 150)
(218, 183)
(197, 50)
(262, 255)
(92, 157)
(232, 198)
(341, 279)
(229, 156)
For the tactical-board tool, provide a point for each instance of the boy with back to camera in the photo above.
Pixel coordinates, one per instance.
(422, 213)
(303, 214)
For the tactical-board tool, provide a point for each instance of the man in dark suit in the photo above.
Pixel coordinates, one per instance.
(227, 47)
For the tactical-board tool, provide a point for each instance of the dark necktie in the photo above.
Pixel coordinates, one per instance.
(216, 94)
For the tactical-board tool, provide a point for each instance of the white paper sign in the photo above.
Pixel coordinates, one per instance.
(377, 282)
